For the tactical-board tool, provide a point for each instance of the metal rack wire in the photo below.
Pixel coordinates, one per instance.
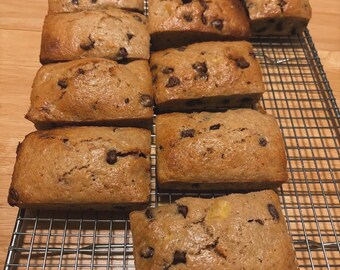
(300, 97)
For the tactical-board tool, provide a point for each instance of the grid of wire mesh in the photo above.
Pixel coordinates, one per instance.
(300, 97)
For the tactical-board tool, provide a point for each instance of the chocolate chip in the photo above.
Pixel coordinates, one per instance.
(215, 127)
(146, 100)
(263, 142)
(182, 48)
(179, 257)
(154, 79)
(75, 2)
(242, 63)
(147, 253)
(127, 101)
(204, 19)
(203, 4)
(273, 212)
(172, 82)
(161, 147)
(62, 84)
(13, 194)
(137, 18)
(194, 102)
(218, 24)
(111, 157)
(93, 1)
(259, 221)
(153, 67)
(188, 18)
(81, 71)
(130, 36)
(186, 1)
(89, 45)
(167, 70)
(183, 210)
(65, 140)
(123, 53)
(189, 133)
(200, 67)
(282, 4)
(149, 213)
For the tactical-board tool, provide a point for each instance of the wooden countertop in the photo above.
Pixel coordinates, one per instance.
(20, 30)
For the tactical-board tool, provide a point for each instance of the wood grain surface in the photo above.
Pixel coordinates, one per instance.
(20, 33)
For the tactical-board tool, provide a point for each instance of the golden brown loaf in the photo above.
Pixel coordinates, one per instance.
(82, 168)
(235, 150)
(174, 23)
(239, 231)
(92, 90)
(208, 75)
(278, 17)
(58, 6)
(109, 33)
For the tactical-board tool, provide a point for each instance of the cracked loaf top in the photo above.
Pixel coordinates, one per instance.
(57, 6)
(108, 33)
(234, 150)
(92, 90)
(175, 23)
(82, 168)
(239, 231)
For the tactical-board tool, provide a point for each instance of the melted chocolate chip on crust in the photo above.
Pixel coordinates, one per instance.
(183, 210)
(111, 157)
(179, 257)
(147, 253)
(189, 133)
(172, 82)
(273, 212)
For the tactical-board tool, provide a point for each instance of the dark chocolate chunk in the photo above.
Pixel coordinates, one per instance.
(203, 4)
(204, 19)
(218, 24)
(13, 196)
(123, 53)
(111, 157)
(273, 212)
(146, 100)
(149, 213)
(172, 82)
(75, 2)
(167, 70)
(201, 69)
(147, 253)
(189, 133)
(263, 142)
(154, 79)
(62, 84)
(183, 210)
(215, 127)
(81, 71)
(130, 36)
(186, 1)
(187, 17)
(242, 63)
(179, 257)
(182, 48)
(153, 67)
(89, 45)
(127, 100)
(137, 18)
(194, 102)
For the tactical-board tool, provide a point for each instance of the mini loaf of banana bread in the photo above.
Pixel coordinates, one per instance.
(235, 150)
(239, 231)
(59, 6)
(278, 17)
(97, 168)
(208, 75)
(108, 33)
(92, 90)
(174, 23)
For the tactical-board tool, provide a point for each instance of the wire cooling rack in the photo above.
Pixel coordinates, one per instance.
(300, 97)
